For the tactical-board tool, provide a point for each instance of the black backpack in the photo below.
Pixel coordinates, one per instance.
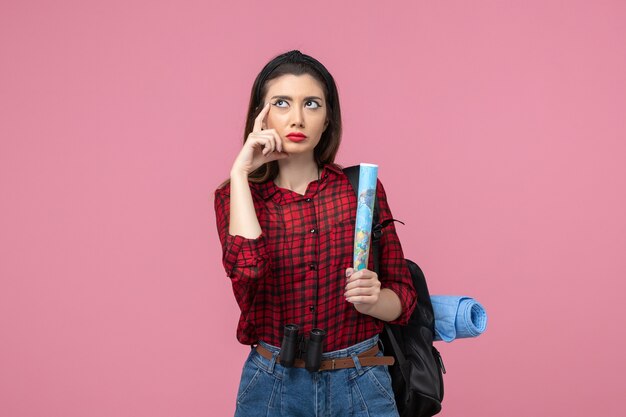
(416, 376)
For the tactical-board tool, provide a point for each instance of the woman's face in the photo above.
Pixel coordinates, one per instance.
(297, 111)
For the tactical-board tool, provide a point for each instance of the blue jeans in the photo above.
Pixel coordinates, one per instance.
(268, 389)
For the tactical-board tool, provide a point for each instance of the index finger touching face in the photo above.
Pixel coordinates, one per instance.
(258, 122)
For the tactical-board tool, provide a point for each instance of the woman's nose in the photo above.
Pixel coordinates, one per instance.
(297, 117)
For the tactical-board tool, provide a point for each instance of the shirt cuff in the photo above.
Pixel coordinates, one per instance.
(408, 301)
(241, 251)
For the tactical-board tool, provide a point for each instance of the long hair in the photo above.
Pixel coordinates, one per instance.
(296, 63)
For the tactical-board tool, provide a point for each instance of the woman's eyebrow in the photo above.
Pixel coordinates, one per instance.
(282, 98)
(291, 99)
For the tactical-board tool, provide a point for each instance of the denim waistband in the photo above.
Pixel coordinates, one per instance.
(341, 353)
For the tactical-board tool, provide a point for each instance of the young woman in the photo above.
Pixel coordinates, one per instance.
(286, 221)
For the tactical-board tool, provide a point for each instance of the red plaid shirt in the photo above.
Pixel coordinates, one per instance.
(294, 272)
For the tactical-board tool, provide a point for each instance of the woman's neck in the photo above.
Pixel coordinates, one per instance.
(295, 175)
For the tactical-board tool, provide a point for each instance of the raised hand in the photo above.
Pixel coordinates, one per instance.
(262, 146)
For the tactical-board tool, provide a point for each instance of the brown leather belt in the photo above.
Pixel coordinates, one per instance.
(367, 358)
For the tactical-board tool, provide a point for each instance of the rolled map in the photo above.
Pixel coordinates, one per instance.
(364, 213)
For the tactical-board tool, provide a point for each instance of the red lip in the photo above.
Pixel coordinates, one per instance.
(296, 136)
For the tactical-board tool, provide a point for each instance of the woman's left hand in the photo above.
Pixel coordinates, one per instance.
(362, 289)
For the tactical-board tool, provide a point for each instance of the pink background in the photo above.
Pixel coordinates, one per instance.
(499, 131)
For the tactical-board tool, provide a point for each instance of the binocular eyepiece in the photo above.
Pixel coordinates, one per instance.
(313, 358)
(295, 344)
(290, 346)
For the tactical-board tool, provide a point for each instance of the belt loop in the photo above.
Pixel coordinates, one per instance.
(381, 345)
(270, 366)
(357, 363)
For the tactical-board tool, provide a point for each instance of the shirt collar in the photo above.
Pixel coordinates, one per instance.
(268, 189)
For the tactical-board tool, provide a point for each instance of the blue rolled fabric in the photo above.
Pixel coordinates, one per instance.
(457, 317)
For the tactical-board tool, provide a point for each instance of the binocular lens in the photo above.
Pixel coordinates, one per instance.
(289, 347)
(313, 358)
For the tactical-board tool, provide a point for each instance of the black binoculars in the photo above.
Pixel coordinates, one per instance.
(295, 345)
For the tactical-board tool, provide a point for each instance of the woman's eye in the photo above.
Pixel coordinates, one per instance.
(281, 103)
(312, 104)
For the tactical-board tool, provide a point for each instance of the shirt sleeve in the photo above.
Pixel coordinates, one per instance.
(245, 260)
(393, 270)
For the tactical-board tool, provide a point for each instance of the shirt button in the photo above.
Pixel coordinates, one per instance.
(311, 309)
(308, 200)
(312, 267)
(313, 231)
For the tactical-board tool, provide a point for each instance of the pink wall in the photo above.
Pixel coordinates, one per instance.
(499, 131)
